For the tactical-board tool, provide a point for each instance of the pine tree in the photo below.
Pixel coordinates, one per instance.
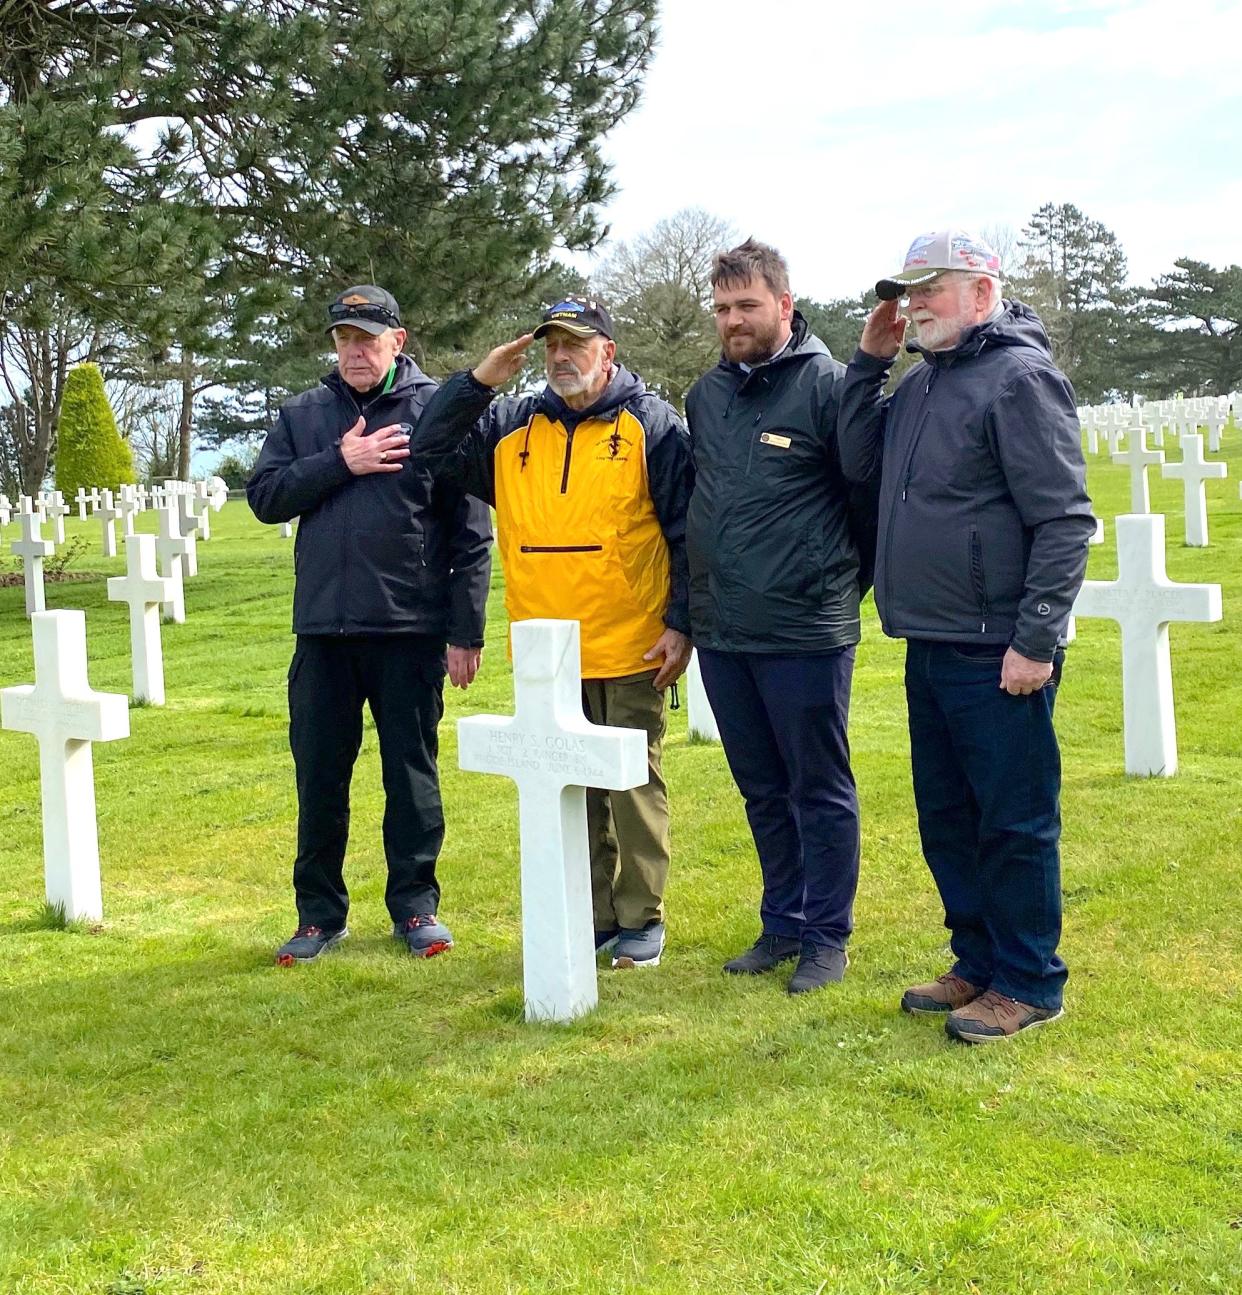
(233, 166)
(1074, 276)
(90, 452)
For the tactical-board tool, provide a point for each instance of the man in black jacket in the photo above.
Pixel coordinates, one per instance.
(984, 526)
(388, 565)
(774, 607)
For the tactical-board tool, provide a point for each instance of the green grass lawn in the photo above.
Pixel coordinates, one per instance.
(179, 1116)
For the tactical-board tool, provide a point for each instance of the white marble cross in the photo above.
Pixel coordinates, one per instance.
(1193, 471)
(83, 498)
(127, 506)
(172, 547)
(553, 752)
(286, 530)
(700, 719)
(1143, 600)
(107, 514)
(32, 548)
(144, 591)
(1138, 456)
(1214, 420)
(66, 715)
(57, 510)
(201, 507)
(6, 510)
(189, 519)
(1087, 417)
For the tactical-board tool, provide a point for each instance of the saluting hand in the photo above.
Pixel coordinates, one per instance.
(504, 362)
(884, 331)
(382, 451)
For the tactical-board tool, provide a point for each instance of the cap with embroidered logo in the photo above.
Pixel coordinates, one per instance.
(581, 316)
(935, 253)
(365, 306)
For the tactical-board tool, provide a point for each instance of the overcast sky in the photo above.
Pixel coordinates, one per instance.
(839, 131)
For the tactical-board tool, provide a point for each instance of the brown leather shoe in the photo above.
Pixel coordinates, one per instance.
(942, 995)
(993, 1017)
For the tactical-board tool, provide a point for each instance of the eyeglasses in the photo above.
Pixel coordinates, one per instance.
(376, 314)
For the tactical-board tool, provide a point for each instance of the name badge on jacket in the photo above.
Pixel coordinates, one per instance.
(771, 438)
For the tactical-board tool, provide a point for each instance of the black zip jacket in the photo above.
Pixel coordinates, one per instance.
(385, 553)
(459, 432)
(778, 544)
(984, 513)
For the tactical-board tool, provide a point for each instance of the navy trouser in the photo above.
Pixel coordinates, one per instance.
(987, 784)
(401, 677)
(782, 721)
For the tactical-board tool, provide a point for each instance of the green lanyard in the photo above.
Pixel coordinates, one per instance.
(392, 377)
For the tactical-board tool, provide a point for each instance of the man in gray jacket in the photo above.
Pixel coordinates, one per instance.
(984, 526)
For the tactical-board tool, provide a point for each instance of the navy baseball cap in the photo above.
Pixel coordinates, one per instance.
(581, 316)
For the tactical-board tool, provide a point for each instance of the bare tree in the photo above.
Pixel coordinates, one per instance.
(659, 291)
(41, 339)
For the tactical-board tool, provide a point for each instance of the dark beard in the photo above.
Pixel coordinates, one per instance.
(759, 346)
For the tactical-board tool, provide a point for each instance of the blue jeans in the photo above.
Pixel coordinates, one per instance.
(987, 784)
(782, 721)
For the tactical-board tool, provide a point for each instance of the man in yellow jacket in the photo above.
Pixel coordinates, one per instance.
(590, 479)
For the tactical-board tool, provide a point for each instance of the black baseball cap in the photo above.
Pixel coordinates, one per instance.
(581, 316)
(365, 306)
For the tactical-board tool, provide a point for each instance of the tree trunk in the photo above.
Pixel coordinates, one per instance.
(186, 424)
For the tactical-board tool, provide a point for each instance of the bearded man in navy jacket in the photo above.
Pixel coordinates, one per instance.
(984, 526)
(390, 567)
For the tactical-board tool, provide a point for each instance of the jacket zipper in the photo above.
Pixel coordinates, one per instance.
(569, 449)
(977, 577)
(907, 471)
(562, 548)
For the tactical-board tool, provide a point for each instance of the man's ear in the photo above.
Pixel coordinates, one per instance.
(610, 350)
(786, 307)
(400, 334)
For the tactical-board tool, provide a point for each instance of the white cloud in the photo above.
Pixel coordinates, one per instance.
(839, 133)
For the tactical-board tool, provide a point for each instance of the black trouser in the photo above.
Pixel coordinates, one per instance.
(783, 723)
(401, 677)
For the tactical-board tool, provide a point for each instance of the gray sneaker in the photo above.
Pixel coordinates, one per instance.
(639, 948)
(767, 953)
(307, 943)
(819, 965)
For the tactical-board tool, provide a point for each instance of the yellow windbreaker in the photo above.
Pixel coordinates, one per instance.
(579, 535)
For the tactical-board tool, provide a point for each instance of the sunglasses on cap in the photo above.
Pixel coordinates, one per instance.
(340, 312)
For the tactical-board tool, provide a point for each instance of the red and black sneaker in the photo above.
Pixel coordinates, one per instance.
(307, 943)
(424, 935)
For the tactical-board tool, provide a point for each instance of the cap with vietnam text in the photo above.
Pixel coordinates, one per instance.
(581, 316)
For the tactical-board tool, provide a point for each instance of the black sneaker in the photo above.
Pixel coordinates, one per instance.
(819, 965)
(424, 934)
(307, 943)
(766, 954)
(604, 940)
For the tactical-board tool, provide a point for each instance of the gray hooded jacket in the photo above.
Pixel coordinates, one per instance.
(984, 513)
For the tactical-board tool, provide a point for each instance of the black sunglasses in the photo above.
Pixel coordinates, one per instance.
(376, 314)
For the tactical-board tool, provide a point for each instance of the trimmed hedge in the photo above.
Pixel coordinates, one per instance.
(89, 450)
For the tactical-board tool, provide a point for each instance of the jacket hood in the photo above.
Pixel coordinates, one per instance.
(802, 344)
(1016, 325)
(622, 387)
(410, 379)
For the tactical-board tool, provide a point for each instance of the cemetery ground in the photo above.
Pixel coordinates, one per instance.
(181, 1116)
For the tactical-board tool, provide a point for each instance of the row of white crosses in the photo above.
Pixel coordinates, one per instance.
(67, 715)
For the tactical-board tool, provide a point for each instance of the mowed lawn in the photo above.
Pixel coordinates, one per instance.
(179, 1115)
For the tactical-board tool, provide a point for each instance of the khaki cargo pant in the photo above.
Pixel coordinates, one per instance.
(628, 830)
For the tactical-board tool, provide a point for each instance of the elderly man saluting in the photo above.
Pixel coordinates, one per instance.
(984, 526)
(590, 479)
(389, 564)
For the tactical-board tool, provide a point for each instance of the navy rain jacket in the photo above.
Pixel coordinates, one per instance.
(984, 513)
(384, 553)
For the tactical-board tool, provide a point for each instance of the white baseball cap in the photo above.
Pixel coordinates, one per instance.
(932, 254)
